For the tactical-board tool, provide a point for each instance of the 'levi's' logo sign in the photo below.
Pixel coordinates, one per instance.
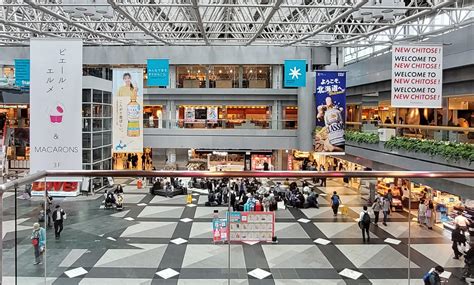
(55, 186)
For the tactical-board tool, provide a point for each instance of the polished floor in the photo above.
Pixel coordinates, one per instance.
(157, 240)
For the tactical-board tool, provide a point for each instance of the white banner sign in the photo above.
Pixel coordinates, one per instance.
(417, 76)
(128, 110)
(56, 104)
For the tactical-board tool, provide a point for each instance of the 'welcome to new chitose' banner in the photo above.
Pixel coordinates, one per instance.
(56, 104)
(417, 76)
(128, 110)
(331, 106)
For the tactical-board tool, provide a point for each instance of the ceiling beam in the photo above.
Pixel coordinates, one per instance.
(415, 16)
(199, 21)
(72, 23)
(26, 28)
(265, 23)
(331, 23)
(125, 14)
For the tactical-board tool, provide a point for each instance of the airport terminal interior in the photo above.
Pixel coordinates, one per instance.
(216, 142)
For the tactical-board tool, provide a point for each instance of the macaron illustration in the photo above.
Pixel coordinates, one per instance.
(56, 114)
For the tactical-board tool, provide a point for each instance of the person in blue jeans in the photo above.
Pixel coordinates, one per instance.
(38, 239)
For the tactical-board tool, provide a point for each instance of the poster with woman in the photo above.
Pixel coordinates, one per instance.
(128, 110)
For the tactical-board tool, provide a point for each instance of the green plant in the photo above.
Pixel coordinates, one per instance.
(359, 137)
(449, 150)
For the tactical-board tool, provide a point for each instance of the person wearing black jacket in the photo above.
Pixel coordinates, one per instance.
(457, 238)
(58, 218)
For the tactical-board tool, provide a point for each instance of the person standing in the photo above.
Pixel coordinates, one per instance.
(386, 210)
(364, 223)
(335, 202)
(376, 207)
(322, 179)
(457, 238)
(422, 213)
(58, 218)
(430, 215)
(38, 240)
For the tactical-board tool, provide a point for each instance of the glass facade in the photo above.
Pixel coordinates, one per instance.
(96, 129)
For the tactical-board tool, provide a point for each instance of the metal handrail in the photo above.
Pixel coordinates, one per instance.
(234, 174)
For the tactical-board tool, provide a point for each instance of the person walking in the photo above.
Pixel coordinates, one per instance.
(386, 210)
(335, 202)
(457, 238)
(430, 215)
(432, 278)
(58, 218)
(38, 240)
(364, 223)
(376, 207)
(462, 222)
(422, 213)
(322, 179)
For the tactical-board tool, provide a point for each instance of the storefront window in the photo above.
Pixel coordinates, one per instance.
(191, 76)
(86, 95)
(256, 76)
(153, 117)
(224, 76)
(290, 117)
(86, 140)
(227, 117)
(97, 140)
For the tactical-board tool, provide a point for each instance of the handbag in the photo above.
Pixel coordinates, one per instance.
(35, 241)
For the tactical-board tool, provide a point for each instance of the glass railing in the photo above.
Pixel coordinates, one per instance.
(246, 124)
(228, 228)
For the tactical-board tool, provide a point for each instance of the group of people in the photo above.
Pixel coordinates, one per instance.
(254, 194)
(114, 198)
(426, 213)
(46, 218)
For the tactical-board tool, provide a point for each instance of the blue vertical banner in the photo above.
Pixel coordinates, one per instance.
(330, 112)
(295, 73)
(22, 72)
(158, 72)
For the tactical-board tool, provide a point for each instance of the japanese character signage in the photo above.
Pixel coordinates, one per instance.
(22, 72)
(158, 71)
(127, 110)
(331, 109)
(295, 73)
(417, 76)
(56, 104)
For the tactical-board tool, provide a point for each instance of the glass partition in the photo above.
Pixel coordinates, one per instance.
(217, 227)
(191, 76)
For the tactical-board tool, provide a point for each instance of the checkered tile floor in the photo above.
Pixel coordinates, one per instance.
(158, 240)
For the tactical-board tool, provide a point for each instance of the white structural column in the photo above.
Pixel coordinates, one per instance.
(306, 114)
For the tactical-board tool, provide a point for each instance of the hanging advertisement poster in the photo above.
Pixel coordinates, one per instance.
(56, 105)
(212, 114)
(22, 72)
(158, 72)
(417, 76)
(189, 114)
(330, 117)
(128, 110)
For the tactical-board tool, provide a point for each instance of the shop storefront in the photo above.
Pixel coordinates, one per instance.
(15, 120)
(229, 160)
(133, 161)
(227, 117)
(153, 116)
(290, 117)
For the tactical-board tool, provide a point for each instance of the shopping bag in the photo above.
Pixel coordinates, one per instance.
(281, 205)
(344, 210)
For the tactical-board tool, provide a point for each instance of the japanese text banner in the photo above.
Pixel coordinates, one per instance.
(56, 104)
(331, 106)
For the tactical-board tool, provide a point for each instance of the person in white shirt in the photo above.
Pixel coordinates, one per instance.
(462, 222)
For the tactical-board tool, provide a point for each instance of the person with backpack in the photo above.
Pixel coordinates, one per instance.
(335, 202)
(432, 278)
(364, 223)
